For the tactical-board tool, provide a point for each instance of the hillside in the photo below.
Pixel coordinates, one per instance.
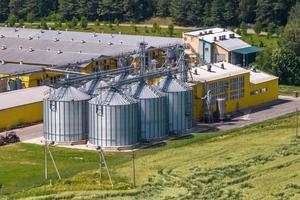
(258, 162)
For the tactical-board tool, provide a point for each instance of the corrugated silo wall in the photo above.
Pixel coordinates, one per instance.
(65, 121)
(153, 118)
(180, 111)
(113, 126)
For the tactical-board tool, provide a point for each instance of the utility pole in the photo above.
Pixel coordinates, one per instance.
(297, 123)
(47, 151)
(103, 162)
(133, 169)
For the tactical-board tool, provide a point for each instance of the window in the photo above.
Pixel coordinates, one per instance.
(206, 49)
(237, 88)
(53, 106)
(263, 90)
(254, 92)
(219, 90)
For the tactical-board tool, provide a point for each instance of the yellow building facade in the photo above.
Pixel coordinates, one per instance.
(21, 107)
(241, 88)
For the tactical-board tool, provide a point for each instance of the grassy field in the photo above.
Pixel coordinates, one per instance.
(261, 40)
(288, 89)
(258, 162)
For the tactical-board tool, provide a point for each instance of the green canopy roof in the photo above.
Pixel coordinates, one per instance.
(247, 50)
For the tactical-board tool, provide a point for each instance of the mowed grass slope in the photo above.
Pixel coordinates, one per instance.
(258, 162)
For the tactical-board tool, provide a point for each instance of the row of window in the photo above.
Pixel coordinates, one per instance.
(220, 89)
(255, 92)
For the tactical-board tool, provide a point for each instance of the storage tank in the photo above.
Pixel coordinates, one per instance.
(221, 107)
(180, 104)
(93, 87)
(152, 111)
(66, 115)
(113, 120)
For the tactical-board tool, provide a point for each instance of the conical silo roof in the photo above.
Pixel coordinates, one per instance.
(67, 94)
(144, 91)
(171, 84)
(113, 97)
(93, 86)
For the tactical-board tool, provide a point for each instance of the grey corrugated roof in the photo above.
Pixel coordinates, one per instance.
(145, 91)
(76, 46)
(104, 38)
(93, 86)
(170, 84)
(22, 97)
(66, 94)
(15, 69)
(43, 57)
(113, 98)
(232, 44)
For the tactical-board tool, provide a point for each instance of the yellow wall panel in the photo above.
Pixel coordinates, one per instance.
(21, 115)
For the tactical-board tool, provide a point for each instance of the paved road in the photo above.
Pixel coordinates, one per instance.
(282, 106)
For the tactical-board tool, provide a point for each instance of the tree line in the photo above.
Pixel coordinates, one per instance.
(184, 12)
(284, 60)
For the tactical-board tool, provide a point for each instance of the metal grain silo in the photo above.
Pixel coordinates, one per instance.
(152, 111)
(66, 115)
(113, 120)
(93, 87)
(180, 104)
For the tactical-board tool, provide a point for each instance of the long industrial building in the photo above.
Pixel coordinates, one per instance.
(113, 101)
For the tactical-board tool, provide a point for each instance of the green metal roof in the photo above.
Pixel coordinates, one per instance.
(247, 50)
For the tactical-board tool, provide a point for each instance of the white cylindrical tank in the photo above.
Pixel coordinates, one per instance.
(113, 120)
(180, 104)
(66, 115)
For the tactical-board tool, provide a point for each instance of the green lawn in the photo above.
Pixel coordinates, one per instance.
(258, 40)
(287, 90)
(258, 162)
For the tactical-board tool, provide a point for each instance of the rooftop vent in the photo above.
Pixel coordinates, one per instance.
(121, 42)
(2, 62)
(16, 30)
(59, 52)
(72, 39)
(21, 62)
(253, 68)
(42, 31)
(58, 32)
(210, 31)
(3, 47)
(215, 38)
(209, 67)
(195, 72)
(222, 66)
(30, 38)
(231, 35)
(99, 41)
(2, 36)
(80, 51)
(31, 49)
(205, 32)
(111, 35)
(110, 43)
(82, 41)
(48, 49)
(18, 35)
(56, 40)
(200, 33)
(94, 34)
(20, 47)
(224, 30)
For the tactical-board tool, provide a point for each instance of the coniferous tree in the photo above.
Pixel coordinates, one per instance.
(4, 11)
